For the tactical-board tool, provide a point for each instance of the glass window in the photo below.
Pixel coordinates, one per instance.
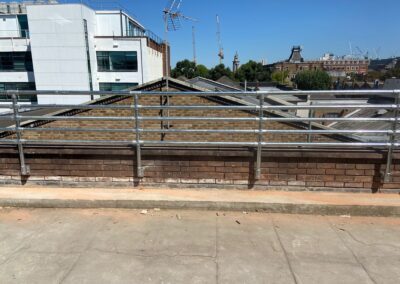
(113, 87)
(23, 25)
(134, 30)
(103, 62)
(16, 61)
(4, 86)
(117, 61)
(6, 61)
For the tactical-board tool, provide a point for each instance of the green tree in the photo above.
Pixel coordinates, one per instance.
(253, 72)
(202, 71)
(280, 77)
(190, 70)
(185, 68)
(219, 71)
(392, 73)
(313, 80)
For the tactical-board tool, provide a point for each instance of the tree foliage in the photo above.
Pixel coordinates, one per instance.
(253, 72)
(219, 71)
(280, 76)
(313, 80)
(202, 71)
(392, 73)
(184, 68)
(189, 70)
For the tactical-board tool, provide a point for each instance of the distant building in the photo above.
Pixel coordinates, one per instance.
(51, 46)
(336, 66)
(236, 63)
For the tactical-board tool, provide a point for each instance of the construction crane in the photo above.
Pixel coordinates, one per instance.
(172, 17)
(362, 53)
(351, 49)
(221, 49)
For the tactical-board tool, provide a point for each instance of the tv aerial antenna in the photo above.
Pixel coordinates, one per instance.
(172, 22)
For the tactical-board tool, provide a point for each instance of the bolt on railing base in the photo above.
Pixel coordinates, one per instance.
(140, 172)
(25, 170)
(387, 177)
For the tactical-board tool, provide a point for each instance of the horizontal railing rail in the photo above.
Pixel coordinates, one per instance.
(362, 120)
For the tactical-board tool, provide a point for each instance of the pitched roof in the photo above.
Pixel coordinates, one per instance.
(211, 85)
(235, 99)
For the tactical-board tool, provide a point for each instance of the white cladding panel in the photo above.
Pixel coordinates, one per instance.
(154, 65)
(15, 44)
(16, 77)
(109, 24)
(9, 26)
(59, 49)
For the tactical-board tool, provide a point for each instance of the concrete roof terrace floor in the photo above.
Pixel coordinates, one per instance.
(320, 203)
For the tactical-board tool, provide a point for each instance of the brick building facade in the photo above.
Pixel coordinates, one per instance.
(330, 64)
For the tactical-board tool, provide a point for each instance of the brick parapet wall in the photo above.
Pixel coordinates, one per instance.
(214, 168)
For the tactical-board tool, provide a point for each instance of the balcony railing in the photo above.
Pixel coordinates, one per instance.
(369, 120)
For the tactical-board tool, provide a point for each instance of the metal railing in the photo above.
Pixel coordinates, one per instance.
(261, 108)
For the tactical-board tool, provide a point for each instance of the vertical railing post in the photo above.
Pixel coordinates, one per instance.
(260, 137)
(389, 159)
(310, 115)
(25, 170)
(140, 172)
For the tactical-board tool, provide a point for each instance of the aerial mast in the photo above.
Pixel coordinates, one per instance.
(194, 45)
(172, 17)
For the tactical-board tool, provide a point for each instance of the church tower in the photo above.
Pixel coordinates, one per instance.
(236, 63)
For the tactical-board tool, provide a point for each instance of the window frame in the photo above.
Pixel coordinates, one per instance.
(17, 61)
(111, 59)
(110, 84)
(5, 86)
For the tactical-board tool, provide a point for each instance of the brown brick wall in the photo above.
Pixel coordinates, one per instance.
(281, 169)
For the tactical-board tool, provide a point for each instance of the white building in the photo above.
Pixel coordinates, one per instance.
(74, 47)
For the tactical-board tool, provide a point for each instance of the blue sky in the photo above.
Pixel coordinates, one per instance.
(266, 29)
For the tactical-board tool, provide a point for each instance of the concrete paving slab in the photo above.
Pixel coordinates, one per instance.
(28, 267)
(366, 245)
(16, 230)
(158, 234)
(250, 252)
(316, 253)
(110, 267)
(169, 246)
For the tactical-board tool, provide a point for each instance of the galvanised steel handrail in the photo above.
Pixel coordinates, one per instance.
(256, 106)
